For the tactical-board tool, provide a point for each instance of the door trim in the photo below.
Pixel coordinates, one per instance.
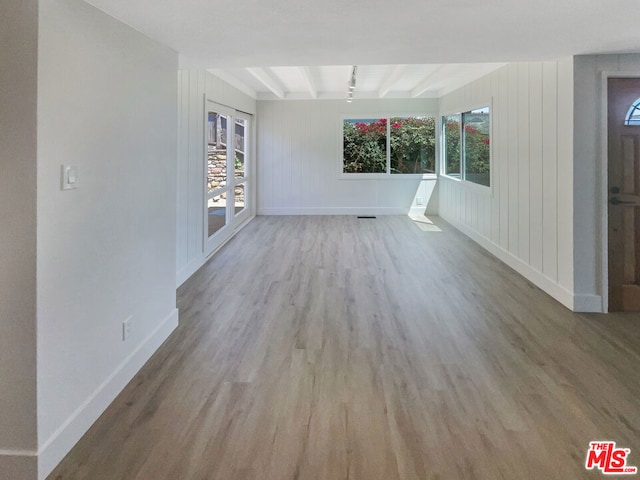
(604, 181)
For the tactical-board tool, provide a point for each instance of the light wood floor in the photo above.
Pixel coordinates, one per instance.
(329, 348)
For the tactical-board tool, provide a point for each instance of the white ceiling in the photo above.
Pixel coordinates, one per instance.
(401, 47)
(372, 81)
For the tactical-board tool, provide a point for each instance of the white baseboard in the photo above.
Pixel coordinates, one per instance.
(587, 303)
(192, 267)
(577, 303)
(59, 444)
(333, 211)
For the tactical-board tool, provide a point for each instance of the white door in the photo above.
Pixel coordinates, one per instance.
(227, 166)
(242, 168)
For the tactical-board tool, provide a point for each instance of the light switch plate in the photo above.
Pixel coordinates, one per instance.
(68, 177)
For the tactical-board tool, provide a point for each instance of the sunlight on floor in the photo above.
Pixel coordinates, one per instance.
(424, 223)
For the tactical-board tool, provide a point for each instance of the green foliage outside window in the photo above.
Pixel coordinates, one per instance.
(411, 145)
(451, 125)
(477, 146)
(467, 146)
(365, 146)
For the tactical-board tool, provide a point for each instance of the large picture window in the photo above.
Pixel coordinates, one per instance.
(467, 146)
(390, 145)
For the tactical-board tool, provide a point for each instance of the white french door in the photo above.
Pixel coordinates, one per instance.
(227, 168)
(242, 167)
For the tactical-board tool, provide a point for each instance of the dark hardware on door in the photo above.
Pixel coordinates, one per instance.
(615, 190)
(617, 201)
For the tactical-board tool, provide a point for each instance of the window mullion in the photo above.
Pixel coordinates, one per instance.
(463, 167)
(388, 145)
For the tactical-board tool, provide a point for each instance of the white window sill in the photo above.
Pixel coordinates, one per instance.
(387, 176)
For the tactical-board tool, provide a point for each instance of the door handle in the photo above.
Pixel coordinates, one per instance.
(617, 201)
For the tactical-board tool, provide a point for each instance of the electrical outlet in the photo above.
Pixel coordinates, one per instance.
(127, 326)
(419, 200)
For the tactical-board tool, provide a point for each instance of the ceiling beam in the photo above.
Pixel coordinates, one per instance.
(311, 85)
(267, 80)
(233, 81)
(390, 80)
(426, 82)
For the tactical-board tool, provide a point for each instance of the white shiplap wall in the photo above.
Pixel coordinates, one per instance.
(526, 219)
(192, 86)
(298, 151)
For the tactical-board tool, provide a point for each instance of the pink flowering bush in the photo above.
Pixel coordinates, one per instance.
(412, 145)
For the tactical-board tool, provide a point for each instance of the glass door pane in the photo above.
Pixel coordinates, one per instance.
(216, 150)
(241, 149)
(239, 200)
(242, 173)
(216, 213)
(217, 189)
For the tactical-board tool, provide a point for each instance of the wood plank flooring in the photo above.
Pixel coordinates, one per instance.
(330, 348)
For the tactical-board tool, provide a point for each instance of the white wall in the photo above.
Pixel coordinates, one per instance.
(590, 222)
(18, 82)
(106, 251)
(298, 153)
(527, 218)
(192, 87)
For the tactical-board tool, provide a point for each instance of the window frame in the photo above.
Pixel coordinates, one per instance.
(342, 175)
(443, 146)
(442, 141)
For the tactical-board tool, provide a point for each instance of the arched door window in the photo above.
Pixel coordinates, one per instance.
(633, 115)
